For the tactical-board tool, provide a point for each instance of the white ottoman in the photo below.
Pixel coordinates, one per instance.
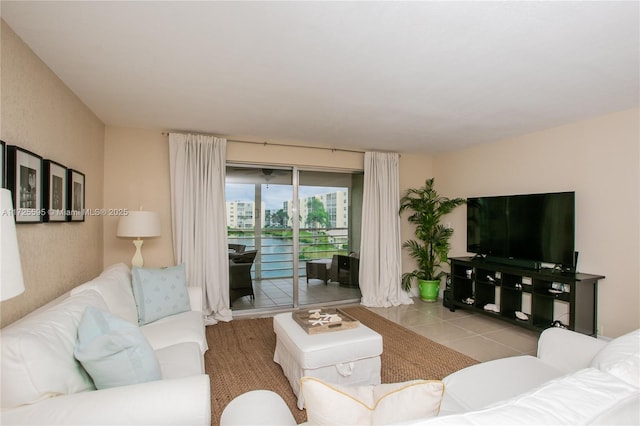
(345, 357)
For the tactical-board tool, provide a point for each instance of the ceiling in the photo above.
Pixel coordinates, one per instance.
(422, 77)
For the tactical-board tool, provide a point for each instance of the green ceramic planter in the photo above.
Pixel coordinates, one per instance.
(429, 290)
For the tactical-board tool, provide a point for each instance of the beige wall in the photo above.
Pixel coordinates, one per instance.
(136, 174)
(414, 170)
(39, 113)
(599, 160)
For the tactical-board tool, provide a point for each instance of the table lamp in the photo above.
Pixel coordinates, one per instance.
(11, 280)
(139, 224)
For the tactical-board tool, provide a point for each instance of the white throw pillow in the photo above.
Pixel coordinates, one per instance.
(621, 358)
(37, 352)
(113, 351)
(160, 292)
(114, 284)
(329, 404)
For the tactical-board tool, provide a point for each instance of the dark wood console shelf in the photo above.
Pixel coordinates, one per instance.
(543, 295)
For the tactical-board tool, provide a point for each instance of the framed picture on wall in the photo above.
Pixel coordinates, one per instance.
(24, 179)
(54, 187)
(75, 196)
(3, 180)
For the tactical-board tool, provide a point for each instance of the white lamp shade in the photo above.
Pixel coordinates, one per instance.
(139, 224)
(11, 280)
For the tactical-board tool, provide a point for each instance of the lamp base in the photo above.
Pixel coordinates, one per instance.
(137, 257)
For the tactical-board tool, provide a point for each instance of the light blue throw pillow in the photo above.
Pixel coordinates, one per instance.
(160, 292)
(113, 351)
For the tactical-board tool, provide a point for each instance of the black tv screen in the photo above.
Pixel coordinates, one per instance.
(533, 227)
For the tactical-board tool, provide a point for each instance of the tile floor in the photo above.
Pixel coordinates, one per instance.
(481, 337)
(476, 335)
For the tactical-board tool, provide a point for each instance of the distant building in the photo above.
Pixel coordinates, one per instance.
(336, 204)
(240, 214)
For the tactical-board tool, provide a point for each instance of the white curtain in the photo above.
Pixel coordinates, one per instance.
(380, 247)
(197, 168)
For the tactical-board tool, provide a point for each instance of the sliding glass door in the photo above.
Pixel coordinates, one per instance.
(258, 220)
(291, 217)
(330, 206)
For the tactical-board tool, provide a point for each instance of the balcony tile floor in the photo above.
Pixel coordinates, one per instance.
(276, 293)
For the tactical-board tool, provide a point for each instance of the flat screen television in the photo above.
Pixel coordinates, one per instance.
(533, 228)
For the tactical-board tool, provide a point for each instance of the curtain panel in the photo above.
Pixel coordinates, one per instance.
(380, 247)
(197, 172)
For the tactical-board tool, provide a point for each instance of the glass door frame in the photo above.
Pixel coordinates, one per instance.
(295, 279)
(295, 180)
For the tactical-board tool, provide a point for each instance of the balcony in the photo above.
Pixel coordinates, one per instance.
(275, 248)
(273, 268)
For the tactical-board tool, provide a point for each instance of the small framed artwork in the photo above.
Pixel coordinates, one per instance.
(54, 191)
(24, 179)
(75, 196)
(3, 169)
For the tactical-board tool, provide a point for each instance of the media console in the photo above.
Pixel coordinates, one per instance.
(546, 297)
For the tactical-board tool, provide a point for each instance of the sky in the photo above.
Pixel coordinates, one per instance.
(274, 195)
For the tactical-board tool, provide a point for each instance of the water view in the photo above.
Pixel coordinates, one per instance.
(275, 254)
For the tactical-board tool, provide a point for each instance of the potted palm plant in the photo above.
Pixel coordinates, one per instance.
(431, 246)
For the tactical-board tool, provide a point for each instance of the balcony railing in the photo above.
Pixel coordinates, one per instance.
(275, 248)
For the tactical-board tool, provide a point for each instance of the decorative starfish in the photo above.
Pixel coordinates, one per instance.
(316, 317)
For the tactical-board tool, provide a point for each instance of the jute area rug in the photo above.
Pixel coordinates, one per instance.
(240, 358)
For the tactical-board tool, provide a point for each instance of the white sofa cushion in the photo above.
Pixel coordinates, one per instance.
(182, 402)
(114, 284)
(575, 399)
(621, 358)
(466, 389)
(160, 292)
(625, 412)
(37, 352)
(180, 328)
(329, 404)
(113, 351)
(180, 360)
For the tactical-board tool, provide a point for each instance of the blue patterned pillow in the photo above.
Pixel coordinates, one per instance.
(160, 292)
(113, 351)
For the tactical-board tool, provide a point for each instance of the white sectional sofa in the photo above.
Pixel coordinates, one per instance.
(574, 380)
(43, 383)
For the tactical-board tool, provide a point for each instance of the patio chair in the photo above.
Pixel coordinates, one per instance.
(318, 269)
(237, 248)
(240, 282)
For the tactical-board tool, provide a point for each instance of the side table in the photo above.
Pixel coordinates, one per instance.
(319, 269)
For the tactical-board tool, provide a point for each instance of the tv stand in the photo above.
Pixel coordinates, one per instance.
(547, 297)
